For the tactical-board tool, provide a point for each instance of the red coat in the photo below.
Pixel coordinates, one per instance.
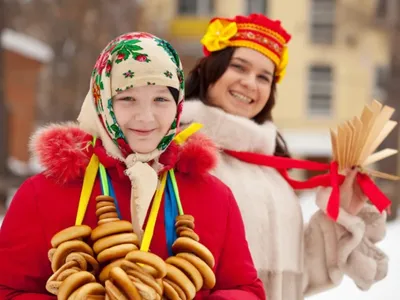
(47, 203)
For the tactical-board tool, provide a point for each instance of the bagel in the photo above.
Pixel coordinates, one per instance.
(70, 233)
(92, 289)
(150, 270)
(113, 292)
(176, 287)
(117, 239)
(108, 215)
(184, 217)
(127, 265)
(103, 203)
(63, 275)
(178, 277)
(105, 272)
(108, 220)
(105, 209)
(183, 228)
(190, 271)
(78, 258)
(145, 291)
(190, 234)
(53, 286)
(96, 297)
(107, 229)
(160, 283)
(92, 262)
(104, 198)
(205, 271)
(122, 281)
(185, 244)
(149, 259)
(63, 268)
(73, 282)
(115, 252)
(51, 253)
(185, 223)
(65, 249)
(171, 292)
(146, 279)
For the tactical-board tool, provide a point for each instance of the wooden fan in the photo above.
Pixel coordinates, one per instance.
(355, 141)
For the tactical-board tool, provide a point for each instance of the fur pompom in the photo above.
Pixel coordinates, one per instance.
(62, 150)
(197, 156)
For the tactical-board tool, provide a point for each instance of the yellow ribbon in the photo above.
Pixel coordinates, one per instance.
(218, 35)
(151, 223)
(182, 136)
(88, 183)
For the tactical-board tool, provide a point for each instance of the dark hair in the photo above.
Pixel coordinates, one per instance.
(208, 70)
(175, 93)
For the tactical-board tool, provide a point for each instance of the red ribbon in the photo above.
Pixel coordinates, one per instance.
(333, 178)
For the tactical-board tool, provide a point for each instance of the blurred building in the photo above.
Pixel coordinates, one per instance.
(24, 58)
(338, 58)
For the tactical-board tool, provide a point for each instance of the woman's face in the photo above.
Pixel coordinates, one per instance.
(245, 87)
(145, 115)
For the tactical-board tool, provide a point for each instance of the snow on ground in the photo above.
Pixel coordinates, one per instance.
(388, 288)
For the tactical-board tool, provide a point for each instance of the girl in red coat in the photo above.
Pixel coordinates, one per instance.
(125, 148)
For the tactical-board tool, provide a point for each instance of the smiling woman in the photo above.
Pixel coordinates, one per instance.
(232, 92)
(245, 87)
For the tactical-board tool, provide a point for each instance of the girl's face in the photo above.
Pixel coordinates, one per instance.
(145, 115)
(245, 87)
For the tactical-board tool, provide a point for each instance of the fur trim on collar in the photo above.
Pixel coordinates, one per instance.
(231, 132)
(64, 151)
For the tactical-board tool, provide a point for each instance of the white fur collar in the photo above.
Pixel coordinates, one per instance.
(231, 132)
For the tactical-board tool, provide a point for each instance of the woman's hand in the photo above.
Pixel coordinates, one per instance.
(352, 198)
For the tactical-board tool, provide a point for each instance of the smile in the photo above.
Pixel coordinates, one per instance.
(142, 132)
(241, 98)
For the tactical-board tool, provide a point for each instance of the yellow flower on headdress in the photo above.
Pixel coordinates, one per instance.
(218, 35)
(281, 69)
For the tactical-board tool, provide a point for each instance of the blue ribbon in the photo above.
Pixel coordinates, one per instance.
(170, 214)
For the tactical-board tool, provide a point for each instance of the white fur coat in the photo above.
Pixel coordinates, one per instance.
(293, 259)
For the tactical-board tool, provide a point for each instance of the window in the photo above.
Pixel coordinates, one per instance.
(380, 83)
(320, 94)
(257, 6)
(195, 7)
(323, 21)
(382, 7)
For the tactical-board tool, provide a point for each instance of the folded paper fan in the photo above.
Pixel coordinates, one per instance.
(355, 141)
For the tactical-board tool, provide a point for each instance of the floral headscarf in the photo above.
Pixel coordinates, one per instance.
(131, 60)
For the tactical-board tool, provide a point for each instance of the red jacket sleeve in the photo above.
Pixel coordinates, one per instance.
(25, 267)
(237, 277)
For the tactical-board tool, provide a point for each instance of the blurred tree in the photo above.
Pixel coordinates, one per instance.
(3, 121)
(77, 31)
